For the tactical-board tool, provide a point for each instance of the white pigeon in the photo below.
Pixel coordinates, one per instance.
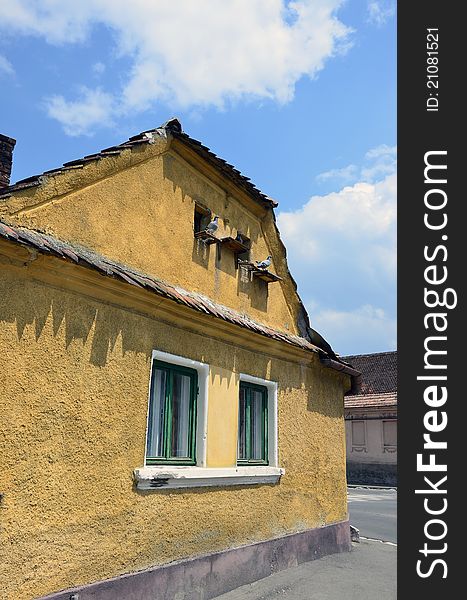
(212, 226)
(263, 264)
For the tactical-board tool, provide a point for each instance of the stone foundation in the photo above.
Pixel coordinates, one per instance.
(214, 574)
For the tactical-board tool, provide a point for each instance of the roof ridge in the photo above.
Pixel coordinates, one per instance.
(373, 394)
(368, 354)
(174, 127)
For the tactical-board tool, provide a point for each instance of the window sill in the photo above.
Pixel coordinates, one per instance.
(167, 477)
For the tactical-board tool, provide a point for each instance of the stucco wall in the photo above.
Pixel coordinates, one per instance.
(74, 376)
(372, 464)
(139, 209)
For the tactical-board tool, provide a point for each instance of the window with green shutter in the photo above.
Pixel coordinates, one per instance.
(172, 415)
(253, 425)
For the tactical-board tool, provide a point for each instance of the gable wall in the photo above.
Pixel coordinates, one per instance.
(74, 380)
(142, 216)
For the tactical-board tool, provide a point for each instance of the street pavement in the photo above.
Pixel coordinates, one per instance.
(365, 573)
(374, 512)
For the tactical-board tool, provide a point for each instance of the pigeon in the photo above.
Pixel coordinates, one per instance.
(212, 226)
(263, 264)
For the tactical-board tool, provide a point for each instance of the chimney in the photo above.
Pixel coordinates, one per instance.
(7, 145)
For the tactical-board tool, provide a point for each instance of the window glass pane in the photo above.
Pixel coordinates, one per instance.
(358, 433)
(252, 424)
(156, 414)
(180, 415)
(390, 433)
(257, 425)
(242, 451)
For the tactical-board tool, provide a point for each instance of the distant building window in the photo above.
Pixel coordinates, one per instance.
(172, 415)
(253, 424)
(358, 436)
(390, 436)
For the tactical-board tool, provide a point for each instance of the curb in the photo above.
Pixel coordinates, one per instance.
(371, 487)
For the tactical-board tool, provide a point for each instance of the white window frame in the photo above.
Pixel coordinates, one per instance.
(157, 477)
(271, 386)
(202, 400)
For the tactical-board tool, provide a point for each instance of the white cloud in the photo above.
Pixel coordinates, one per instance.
(195, 54)
(378, 162)
(382, 151)
(98, 68)
(362, 216)
(381, 161)
(380, 11)
(78, 117)
(342, 251)
(346, 174)
(5, 66)
(364, 329)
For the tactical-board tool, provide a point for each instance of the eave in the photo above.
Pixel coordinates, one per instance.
(62, 265)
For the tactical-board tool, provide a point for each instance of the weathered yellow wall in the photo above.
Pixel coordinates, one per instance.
(140, 212)
(74, 376)
(222, 417)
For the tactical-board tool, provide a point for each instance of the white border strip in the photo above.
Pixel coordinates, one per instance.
(160, 477)
(273, 454)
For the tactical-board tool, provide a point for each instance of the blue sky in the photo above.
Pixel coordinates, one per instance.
(300, 96)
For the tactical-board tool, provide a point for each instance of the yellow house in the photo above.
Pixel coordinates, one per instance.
(171, 426)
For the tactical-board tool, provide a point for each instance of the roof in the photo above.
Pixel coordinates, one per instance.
(173, 128)
(379, 371)
(371, 401)
(378, 387)
(52, 246)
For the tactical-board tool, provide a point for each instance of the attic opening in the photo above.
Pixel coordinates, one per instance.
(202, 217)
(246, 243)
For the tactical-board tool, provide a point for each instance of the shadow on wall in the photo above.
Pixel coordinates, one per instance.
(201, 252)
(78, 316)
(191, 186)
(256, 290)
(34, 306)
(196, 187)
(224, 260)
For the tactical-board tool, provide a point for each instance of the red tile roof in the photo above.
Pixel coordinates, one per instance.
(378, 386)
(371, 401)
(379, 371)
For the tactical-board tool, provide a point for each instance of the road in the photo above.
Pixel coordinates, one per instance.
(366, 573)
(374, 513)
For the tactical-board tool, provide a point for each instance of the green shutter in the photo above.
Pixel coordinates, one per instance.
(253, 420)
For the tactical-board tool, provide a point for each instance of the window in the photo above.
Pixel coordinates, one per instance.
(202, 218)
(177, 429)
(358, 435)
(243, 239)
(389, 436)
(253, 425)
(172, 415)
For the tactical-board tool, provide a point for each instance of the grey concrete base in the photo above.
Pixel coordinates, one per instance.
(372, 474)
(210, 575)
(367, 573)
